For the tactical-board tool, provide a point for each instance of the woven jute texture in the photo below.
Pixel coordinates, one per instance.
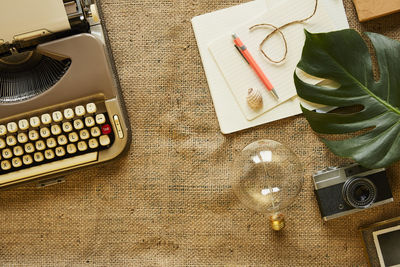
(169, 201)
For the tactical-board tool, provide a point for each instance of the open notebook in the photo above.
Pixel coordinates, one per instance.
(238, 74)
(211, 26)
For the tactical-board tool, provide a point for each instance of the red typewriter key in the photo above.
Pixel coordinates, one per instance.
(106, 129)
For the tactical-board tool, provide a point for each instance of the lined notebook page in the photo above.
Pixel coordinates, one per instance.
(239, 75)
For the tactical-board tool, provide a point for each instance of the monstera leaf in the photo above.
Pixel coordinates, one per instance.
(343, 57)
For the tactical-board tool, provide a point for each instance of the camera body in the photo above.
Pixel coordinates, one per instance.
(344, 190)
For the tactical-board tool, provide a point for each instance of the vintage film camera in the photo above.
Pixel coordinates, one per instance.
(344, 190)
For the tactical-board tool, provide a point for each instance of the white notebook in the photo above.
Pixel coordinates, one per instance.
(211, 26)
(240, 76)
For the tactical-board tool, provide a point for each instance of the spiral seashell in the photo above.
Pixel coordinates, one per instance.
(254, 98)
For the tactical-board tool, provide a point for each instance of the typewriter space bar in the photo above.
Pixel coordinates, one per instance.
(47, 168)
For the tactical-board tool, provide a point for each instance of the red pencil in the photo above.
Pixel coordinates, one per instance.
(253, 64)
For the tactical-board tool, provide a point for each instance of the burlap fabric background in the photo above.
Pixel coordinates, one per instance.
(168, 201)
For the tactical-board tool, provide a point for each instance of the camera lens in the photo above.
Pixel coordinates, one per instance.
(359, 193)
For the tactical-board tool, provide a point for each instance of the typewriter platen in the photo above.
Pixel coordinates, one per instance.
(60, 102)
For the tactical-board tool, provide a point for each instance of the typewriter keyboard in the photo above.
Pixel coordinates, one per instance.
(54, 140)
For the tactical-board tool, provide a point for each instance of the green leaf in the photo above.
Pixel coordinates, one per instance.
(343, 57)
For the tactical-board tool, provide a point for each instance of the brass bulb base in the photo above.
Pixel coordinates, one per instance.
(277, 221)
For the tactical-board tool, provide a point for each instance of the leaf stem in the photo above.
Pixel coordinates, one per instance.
(386, 104)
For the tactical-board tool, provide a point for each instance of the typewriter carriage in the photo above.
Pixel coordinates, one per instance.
(25, 71)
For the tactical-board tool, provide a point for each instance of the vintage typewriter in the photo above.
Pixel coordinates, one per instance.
(60, 102)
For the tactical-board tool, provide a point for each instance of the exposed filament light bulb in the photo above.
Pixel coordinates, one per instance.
(267, 177)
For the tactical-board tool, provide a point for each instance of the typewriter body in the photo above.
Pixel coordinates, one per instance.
(60, 103)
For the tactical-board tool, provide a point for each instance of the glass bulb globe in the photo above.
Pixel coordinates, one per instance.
(267, 177)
